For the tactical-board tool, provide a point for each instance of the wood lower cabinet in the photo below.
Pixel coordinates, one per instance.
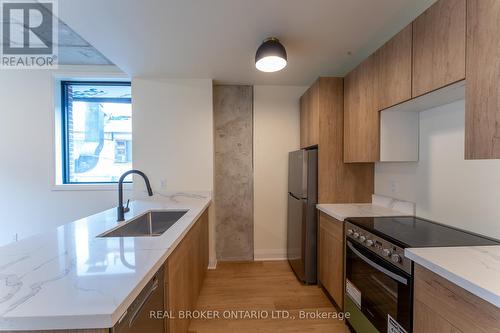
(482, 101)
(393, 66)
(361, 119)
(441, 306)
(331, 257)
(185, 270)
(439, 46)
(428, 321)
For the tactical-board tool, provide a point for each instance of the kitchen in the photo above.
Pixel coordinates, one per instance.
(347, 185)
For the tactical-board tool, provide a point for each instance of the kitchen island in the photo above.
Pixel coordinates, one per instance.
(69, 278)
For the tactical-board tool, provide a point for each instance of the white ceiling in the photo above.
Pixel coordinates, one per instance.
(218, 38)
(72, 48)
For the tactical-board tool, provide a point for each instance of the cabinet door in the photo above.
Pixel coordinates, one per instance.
(314, 115)
(309, 117)
(394, 70)
(186, 268)
(426, 320)
(338, 181)
(179, 286)
(439, 46)
(361, 119)
(482, 102)
(200, 254)
(304, 119)
(331, 258)
(442, 298)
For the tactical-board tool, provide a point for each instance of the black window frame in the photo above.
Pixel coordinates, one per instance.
(64, 123)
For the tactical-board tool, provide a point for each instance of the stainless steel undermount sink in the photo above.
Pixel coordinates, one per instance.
(150, 224)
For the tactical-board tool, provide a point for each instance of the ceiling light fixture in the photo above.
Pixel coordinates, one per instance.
(270, 56)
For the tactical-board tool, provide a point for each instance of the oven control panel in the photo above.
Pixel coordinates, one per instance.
(383, 248)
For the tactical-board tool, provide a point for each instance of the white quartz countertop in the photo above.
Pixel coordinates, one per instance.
(380, 206)
(474, 268)
(67, 278)
(343, 211)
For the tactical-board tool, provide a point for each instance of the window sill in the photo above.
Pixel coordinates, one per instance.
(90, 187)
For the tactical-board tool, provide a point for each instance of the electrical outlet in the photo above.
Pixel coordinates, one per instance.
(394, 186)
(163, 184)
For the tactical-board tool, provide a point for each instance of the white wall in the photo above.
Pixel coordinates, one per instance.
(173, 135)
(28, 202)
(445, 187)
(276, 132)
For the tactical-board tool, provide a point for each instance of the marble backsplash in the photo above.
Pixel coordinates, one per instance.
(406, 207)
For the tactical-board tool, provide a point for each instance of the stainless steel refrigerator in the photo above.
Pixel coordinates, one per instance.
(302, 215)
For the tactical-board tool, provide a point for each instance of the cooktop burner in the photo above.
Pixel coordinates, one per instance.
(409, 231)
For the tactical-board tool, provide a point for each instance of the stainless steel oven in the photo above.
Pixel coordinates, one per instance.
(379, 283)
(378, 292)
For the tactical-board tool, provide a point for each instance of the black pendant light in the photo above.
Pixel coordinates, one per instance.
(270, 56)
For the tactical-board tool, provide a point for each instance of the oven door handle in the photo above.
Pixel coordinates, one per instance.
(377, 266)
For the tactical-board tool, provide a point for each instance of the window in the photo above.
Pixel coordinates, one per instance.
(97, 131)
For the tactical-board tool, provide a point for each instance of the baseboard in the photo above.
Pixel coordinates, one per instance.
(212, 264)
(269, 254)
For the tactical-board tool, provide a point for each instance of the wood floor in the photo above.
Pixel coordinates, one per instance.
(266, 287)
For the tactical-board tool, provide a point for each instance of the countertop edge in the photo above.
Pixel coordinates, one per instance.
(330, 213)
(78, 322)
(463, 283)
(359, 210)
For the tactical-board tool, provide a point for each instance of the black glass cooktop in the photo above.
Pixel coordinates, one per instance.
(416, 232)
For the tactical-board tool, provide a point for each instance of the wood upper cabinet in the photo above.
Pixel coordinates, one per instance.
(482, 101)
(439, 46)
(361, 119)
(304, 120)
(393, 61)
(322, 125)
(338, 182)
(309, 117)
(331, 257)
